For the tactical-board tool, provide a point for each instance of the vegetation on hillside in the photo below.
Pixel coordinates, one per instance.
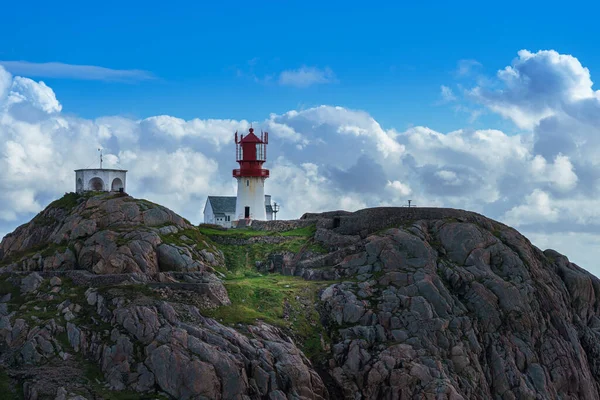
(285, 301)
(215, 230)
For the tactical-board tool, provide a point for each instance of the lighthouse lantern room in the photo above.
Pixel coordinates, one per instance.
(251, 153)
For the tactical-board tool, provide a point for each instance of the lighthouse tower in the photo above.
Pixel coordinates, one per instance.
(251, 153)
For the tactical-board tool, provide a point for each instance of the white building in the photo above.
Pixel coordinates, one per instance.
(100, 180)
(220, 210)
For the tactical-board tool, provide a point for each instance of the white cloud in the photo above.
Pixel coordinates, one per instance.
(447, 94)
(36, 94)
(5, 83)
(537, 209)
(560, 173)
(449, 177)
(217, 132)
(306, 76)
(84, 72)
(399, 189)
(537, 86)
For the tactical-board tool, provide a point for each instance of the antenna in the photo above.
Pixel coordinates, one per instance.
(100, 150)
(410, 205)
(275, 210)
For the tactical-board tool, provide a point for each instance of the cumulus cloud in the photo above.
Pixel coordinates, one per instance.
(84, 72)
(306, 76)
(537, 208)
(27, 93)
(537, 86)
(399, 189)
(560, 173)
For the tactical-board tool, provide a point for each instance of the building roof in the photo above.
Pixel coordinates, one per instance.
(251, 138)
(222, 204)
(101, 169)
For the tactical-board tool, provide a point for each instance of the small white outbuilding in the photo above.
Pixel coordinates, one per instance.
(100, 180)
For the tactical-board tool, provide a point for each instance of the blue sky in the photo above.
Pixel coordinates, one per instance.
(389, 60)
(486, 108)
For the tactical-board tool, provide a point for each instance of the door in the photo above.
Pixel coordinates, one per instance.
(247, 212)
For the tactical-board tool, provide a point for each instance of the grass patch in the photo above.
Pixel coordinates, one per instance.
(235, 233)
(284, 301)
(195, 236)
(307, 231)
(130, 291)
(47, 309)
(212, 230)
(68, 202)
(241, 260)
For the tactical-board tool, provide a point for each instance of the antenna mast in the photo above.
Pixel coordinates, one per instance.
(100, 150)
(275, 210)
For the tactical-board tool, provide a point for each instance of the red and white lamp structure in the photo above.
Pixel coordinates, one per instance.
(251, 153)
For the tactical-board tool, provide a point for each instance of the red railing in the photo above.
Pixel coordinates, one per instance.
(261, 173)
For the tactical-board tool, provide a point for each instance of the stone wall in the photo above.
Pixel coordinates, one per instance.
(280, 225)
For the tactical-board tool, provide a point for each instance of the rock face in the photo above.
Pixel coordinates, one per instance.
(143, 343)
(112, 294)
(457, 306)
(107, 234)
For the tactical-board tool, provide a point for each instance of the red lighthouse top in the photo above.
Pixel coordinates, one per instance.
(251, 153)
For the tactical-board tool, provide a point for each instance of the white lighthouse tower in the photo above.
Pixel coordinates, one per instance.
(251, 153)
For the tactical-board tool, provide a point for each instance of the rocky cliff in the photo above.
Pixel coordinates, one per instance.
(107, 296)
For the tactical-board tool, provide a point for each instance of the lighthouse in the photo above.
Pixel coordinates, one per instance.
(251, 153)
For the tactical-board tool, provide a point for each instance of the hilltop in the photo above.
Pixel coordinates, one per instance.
(110, 297)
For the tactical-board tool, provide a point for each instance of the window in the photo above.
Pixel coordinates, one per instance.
(247, 182)
(260, 151)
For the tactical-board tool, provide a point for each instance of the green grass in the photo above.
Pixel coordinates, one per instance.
(195, 236)
(307, 231)
(211, 230)
(240, 260)
(70, 291)
(264, 298)
(129, 291)
(67, 202)
(235, 233)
